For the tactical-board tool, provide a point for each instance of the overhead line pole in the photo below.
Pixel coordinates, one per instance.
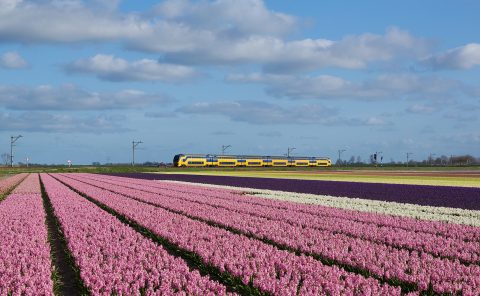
(408, 155)
(377, 155)
(289, 150)
(12, 143)
(134, 145)
(225, 147)
(340, 151)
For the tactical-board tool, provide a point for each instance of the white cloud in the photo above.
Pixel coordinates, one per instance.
(383, 87)
(421, 109)
(461, 116)
(463, 57)
(71, 97)
(107, 67)
(270, 134)
(160, 114)
(263, 113)
(60, 123)
(8, 5)
(231, 17)
(277, 55)
(12, 60)
(204, 32)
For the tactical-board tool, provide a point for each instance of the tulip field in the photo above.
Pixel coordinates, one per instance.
(91, 234)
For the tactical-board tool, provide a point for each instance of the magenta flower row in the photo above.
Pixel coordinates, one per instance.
(9, 182)
(268, 268)
(115, 259)
(455, 231)
(25, 264)
(423, 269)
(31, 185)
(439, 246)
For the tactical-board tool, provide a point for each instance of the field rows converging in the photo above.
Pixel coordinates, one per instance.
(444, 214)
(235, 212)
(115, 259)
(449, 230)
(410, 260)
(7, 184)
(256, 263)
(90, 234)
(25, 264)
(446, 196)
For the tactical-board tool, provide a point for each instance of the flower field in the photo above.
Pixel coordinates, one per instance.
(427, 195)
(130, 236)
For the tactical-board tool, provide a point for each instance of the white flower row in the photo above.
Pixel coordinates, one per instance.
(444, 214)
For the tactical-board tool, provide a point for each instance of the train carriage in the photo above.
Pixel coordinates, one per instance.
(209, 160)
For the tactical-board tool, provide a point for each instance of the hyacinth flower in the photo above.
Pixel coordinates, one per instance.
(114, 258)
(422, 269)
(262, 265)
(25, 263)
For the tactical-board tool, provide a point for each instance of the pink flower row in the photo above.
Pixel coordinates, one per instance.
(270, 269)
(454, 231)
(419, 268)
(9, 182)
(115, 259)
(25, 264)
(400, 238)
(30, 185)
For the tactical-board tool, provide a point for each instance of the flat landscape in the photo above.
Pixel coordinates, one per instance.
(97, 234)
(437, 177)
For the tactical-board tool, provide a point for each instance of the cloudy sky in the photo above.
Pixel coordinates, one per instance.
(81, 79)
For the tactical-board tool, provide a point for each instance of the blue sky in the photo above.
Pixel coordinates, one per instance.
(81, 79)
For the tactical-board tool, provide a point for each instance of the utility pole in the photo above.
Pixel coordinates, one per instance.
(340, 151)
(12, 143)
(377, 155)
(289, 150)
(134, 145)
(431, 157)
(408, 155)
(225, 147)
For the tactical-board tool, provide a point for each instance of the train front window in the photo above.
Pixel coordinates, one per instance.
(176, 158)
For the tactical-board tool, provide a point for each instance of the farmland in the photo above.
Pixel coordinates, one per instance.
(83, 233)
(424, 176)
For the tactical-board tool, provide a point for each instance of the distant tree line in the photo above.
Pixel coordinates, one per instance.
(443, 160)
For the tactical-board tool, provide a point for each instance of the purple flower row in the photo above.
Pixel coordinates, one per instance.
(440, 196)
(25, 265)
(115, 259)
(268, 268)
(417, 267)
(450, 231)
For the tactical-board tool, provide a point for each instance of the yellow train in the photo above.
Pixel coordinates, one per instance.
(205, 160)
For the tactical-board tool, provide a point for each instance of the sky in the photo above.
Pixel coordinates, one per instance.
(81, 80)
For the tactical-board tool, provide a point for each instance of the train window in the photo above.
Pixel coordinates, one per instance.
(227, 162)
(253, 162)
(196, 162)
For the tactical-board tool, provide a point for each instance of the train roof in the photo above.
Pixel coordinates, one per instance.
(253, 156)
